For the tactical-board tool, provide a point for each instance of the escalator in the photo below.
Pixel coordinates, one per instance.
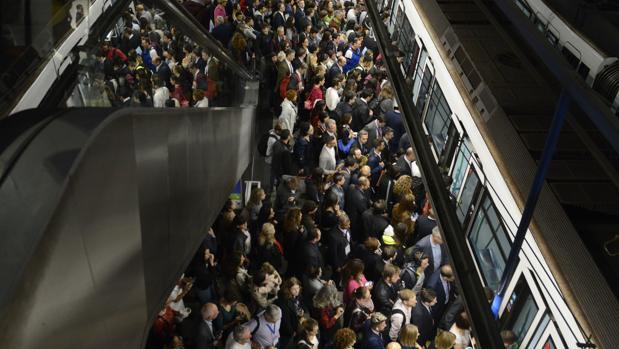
(101, 209)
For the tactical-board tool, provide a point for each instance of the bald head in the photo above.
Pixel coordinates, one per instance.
(394, 345)
(365, 171)
(209, 311)
(410, 154)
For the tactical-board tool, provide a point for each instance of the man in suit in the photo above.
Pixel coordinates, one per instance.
(345, 106)
(424, 225)
(336, 69)
(362, 142)
(338, 245)
(163, 71)
(394, 120)
(373, 338)
(362, 113)
(376, 161)
(223, 31)
(357, 202)
(432, 245)
(279, 18)
(442, 284)
(375, 220)
(281, 158)
(206, 338)
(422, 317)
(311, 253)
(375, 129)
(327, 160)
(284, 68)
(407, 164)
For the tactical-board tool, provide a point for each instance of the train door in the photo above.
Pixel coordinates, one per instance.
(523, 310)
(437, 120)
(424, 74)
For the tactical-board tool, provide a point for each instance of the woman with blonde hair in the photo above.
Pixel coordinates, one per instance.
(403, 185)
(444, 340)
(408, 337)
(267, 250)
(345, 338)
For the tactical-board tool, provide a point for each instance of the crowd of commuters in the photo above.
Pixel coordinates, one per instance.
(341, 249)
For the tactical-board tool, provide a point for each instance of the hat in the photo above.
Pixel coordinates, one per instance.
(377, 318)
(388, 236)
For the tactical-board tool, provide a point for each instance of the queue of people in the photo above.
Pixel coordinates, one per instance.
(341, 248)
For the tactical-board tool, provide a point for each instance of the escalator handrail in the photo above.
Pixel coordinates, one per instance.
(203, 37)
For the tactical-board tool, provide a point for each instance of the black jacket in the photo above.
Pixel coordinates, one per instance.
(281, 163)
(356, 203)
(373, 224)
(336, 248)
(290, 319)
(384, 297)
(423, 227)
(311, 255)
(422, 318)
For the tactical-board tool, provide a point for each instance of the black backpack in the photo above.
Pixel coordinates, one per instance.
(388, 328)
(263, 143)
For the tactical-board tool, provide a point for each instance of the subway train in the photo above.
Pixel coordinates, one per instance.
(596, 67)
(466, 110)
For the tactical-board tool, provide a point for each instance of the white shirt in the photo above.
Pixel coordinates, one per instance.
(327, 159)
(437, 254)
(232, 344)
(203, 103)
(162, 94)
(346, 234)
(445, 289)
(415, 169)
(332, 98)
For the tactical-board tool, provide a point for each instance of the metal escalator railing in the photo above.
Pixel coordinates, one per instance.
(101, 210)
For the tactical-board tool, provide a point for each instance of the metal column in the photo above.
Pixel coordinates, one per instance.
(538, 183)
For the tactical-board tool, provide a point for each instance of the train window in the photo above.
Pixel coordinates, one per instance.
(520, 310)
(539, 332)
(524, 7)
(460, 165)
(571, 58)
(552, 38)
(438, 119)
(468, 193)
(399, 19)
(419, 75)
(540, 22)
(550, 344)
(583, 70)
(489, 242)
(424, 88)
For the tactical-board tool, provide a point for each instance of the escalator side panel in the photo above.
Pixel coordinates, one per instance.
(127, 223)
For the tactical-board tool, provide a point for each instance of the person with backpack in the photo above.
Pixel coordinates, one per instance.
(401, 313)
(266, 141)
(265, 326)
(413, 274)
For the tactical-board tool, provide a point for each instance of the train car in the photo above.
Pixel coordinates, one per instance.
(596, 67)
(474, 137)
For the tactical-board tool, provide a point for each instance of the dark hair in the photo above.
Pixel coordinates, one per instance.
(239, 220)
(427, 295)
(285, 134)
(313, 234)
(462, 320)
(379, 206)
